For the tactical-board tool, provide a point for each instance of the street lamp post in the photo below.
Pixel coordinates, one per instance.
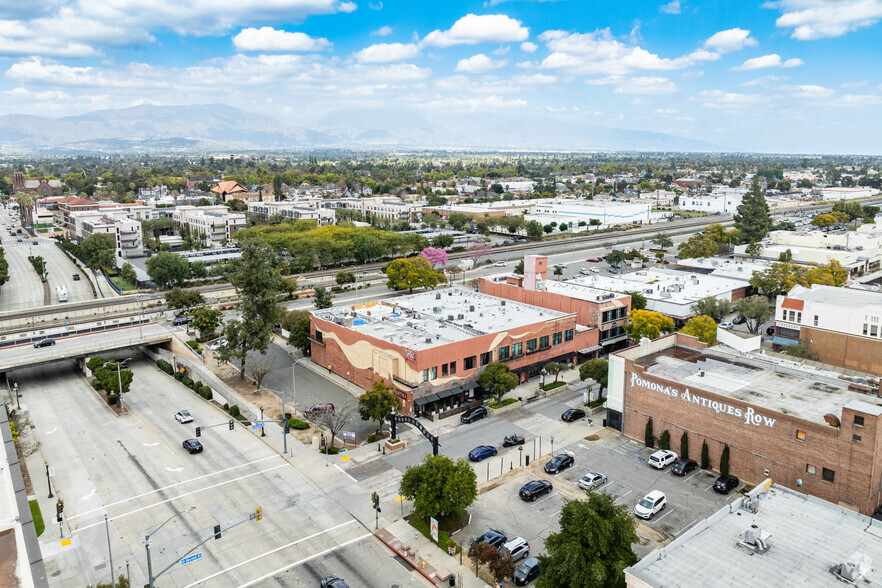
(48, 479)
(147, 544)
(552, 446)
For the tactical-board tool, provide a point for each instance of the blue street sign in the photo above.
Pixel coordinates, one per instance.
(193, 557)
(257, 426)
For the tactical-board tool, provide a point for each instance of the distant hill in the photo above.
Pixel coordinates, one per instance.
(221, 127)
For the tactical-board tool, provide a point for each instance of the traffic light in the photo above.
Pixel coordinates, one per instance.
(232, 424)
(217, 532)
(59, 508)
(287, 427)
(198, 431)
(258, 513)
(374, 499)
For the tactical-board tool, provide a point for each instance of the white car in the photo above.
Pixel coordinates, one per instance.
(726, 325)
(595, 270)
(217, 344)
(591, 480)
(184, 416)
(518, 548)
(662, 458)
(584, 271)
(561, 265)
(499, 264)
(652, 503)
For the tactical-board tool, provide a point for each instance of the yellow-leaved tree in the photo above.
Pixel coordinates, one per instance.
(648, 323)
(703, 327)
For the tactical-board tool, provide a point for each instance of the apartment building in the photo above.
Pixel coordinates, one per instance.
(217, 223)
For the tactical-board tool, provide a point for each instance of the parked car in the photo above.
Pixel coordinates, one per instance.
(739, 320)
(184, 416)
(19, 239)
(613, 270)
(725, 483)
(584, 271)
(76, 277)
(495, 537)
(573, 414)
(512, 440)
(526, 572)
(482, 452)
(533, 490)
(683, 467)
(35, 242)
(47, 342)
(725, 325)
(499, 264)
(333, 582)
(591, 480)
(594, 259)
(218, 344)
(473, 415)
(318, 409)
(594, 270)
(770, 331)
(650, 504)
(561, 265)
(193, 445)
(181, 320)
(559, 463)
(518, 548)
(662, 458)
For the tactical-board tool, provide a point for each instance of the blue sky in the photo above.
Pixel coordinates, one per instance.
(779, 76)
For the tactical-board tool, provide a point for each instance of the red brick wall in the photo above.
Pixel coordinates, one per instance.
(756, 448)
(848, 351)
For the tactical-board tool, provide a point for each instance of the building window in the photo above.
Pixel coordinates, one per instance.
(486, 358)
(531, 345)
(452, 367)
(319, 335)
(800, 435)
(810, 469)
(799, 317)
(858, 421)
(816, 320)
(443, 370)
(543, 342)
(866, 327)
(856, 438)
(874, 330)
(557, 338)
(425, 375)
(828, 475)
(503, 352)
(517, 349)
(469, 363)
(434, 373)
(568, 335)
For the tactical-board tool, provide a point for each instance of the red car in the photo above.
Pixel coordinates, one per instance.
(593, 259)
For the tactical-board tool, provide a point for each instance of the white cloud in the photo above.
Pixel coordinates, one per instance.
(730, 40)
(479, 63)
(598, 53)
(812, 91)
(666, 111)
(528, 47)
(270, 39)
(819, 19)
(489, 103)
(672, 7)
(772, 60)
(50, 47)
(383, 31)
(387, 52)
(764, 82)
(729, 100)
(645, 85)
(472, 29)
(501, 50)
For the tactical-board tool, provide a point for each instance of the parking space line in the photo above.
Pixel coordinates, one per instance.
(692, 476)
(623, 495)
(256, 557)
(106, 506)
(179, 496)
(664, 515)
(683, 530)
(547, 496)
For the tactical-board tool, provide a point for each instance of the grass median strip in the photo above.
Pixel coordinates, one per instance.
(39, 525)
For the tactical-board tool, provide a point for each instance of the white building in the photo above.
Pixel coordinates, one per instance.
(721, 200)
(385, 207)
(217, 223)
(836, 193)
(856, 252)
(308, 209)
(572, 211)
(125, 231)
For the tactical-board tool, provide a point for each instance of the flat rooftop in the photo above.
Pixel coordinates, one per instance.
(438, 317)
(671, 286)
(834, 295)
(772, 386)
(724, 268)
(808, 538)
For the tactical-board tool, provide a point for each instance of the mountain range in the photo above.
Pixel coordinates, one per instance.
(220, 127)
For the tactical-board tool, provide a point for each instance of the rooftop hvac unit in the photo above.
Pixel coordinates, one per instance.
(502, 303)
(472, 308)
(428, 339)
(740, 269)
(436, 309)
(756, 539)
(460, 316)
(854, 568)
(450, 317)
(438, 296)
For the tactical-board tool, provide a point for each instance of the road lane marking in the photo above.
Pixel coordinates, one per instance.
(256, 557)
(170, 486)
(131, 512)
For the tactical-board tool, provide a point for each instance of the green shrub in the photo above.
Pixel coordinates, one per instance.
(97, 385)
(234, 411)
(724, 461)
(508, 401)
(372, 438)
(444, 540)
(197, 386)
(164, 366)
(187, 382)
(596, 403)
(648, 437)
(226, 406)
(179, 376)
(495, 405)
(112, 398)
(684, 445)
(193, 344)
(705, 456)
(331, 450)
(205, 393)
(665, 441)
(553, 385)
(298, 424)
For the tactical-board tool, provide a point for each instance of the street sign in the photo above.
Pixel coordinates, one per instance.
(51, 472)
(349, 437)
(434, 528)
(257, 426)
(193, 557)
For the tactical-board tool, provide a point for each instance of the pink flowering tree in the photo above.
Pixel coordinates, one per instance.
(437, 257)
(479, 250)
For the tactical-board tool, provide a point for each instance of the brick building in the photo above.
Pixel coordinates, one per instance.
(36, 187)
(431, 346)
(806, 431)
(843, 326)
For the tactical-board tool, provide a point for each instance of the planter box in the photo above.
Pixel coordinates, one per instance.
(504, 409)
(394, 446)
(563, 388)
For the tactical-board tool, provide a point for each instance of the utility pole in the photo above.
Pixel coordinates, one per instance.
(109, 552)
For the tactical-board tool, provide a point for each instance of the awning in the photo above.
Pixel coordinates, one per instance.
(426, 399)
(469, 386)
(785, 341)
(449, 392)
(591, 349)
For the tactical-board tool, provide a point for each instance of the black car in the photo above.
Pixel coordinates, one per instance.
(725, 483)
(513, 440)
(683, 467)
(533, 490)
(473, 415)
(526, 572)
(495, 537)
(559, 463)
(573, 414)
(770, 331)
(193, 445)
(76, 277)
(333, 582)
(739, 320)
(47, 342)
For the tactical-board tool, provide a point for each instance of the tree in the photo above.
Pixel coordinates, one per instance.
(167, 268)
(705, 456)
(98, 250)
(554, 368)
(663, 241)
(127, 273)
(277, 188)
(649, 434)
(297, 323)
(258, 284)
(684, 445)
(756, 310)
(442, 241)
(181, 298)
(597, 370)
(781, 277)
(785, 256)
(558, 271)
(439, 486)
(703, 327)
(534, 230)
(548, 229)
(519, 267)
(457, 220)
(501, 566)
(724, 461)
(615, 257)
(784, 226)
(647, 323)
(259, 365)
(482, 553)
(592, 548)
(206, 319)
(498, 379)
(753, 220)
(322, 298)
(698, 245)
(412, 272)
(664, 441)
(334, 421)
(716, 308)
(344, 278)
(824, 221)
(436, 257)
(378, 403)
(478, 250)
(638, 300)
(198, 269)
(754, 249)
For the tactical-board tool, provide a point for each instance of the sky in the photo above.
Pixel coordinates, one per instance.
(785, 76)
